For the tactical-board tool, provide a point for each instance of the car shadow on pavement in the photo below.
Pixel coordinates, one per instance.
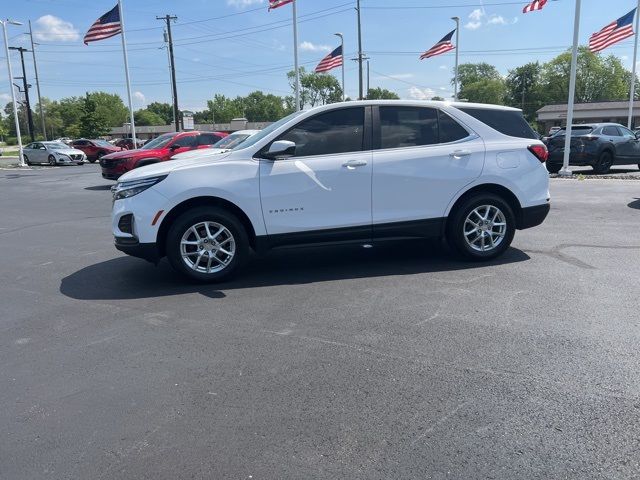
(126, 278)
(98, 187)
(635, 204)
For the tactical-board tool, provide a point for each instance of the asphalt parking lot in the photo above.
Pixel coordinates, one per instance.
(394, 362)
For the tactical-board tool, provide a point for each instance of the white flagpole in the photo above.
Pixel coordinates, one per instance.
(455, 80)
(633, 70)
(126, 71)
(565, 171)
(295, 53)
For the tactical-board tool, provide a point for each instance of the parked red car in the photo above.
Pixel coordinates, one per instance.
(95, 149)
(157, 150)
(127, 143)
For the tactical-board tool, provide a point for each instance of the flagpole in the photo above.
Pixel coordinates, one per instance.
(342, 45)
(565, 171)
(633, 70)
(295, 53)
(455, 79)
(126, 71)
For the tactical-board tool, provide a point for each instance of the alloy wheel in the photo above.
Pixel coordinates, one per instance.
(485, 228)
(207, 247)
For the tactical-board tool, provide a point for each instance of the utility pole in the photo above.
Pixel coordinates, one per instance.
(368, 78)
(35, 69)
(360, 55)
(176, 111)
(26, 92)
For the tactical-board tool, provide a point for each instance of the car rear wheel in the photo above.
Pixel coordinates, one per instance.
(52, 160)
(553, 168)
(207, 244)
(26, 159)
(604, 163)
(482, 227)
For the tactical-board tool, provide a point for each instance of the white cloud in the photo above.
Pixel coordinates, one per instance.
(139, 98)
(443, 67)
(421, 93)
(50, 28)
(243, 3)
(4, 98)
(311, 47)
(478, 18)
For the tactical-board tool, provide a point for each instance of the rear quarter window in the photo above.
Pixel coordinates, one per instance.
(507, 122)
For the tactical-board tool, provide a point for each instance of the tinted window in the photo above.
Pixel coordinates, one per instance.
(408, 126)
(80, 143)
(507, 122)
(190, 141)
(626, 132)
(611, 131)
(337, 131)
(450, 130)
(207, 139)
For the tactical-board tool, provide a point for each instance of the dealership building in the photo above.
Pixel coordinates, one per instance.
(616, 112)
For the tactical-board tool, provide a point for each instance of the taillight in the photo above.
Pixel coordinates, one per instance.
(540, 152)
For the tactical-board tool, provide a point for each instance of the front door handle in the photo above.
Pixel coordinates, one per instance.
(352, 164)
(460, 153)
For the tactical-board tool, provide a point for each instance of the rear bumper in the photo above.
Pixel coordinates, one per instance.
(533, 216)
(131, 246)
(577, 159)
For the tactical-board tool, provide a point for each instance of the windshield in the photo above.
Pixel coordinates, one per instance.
(102, 143)
(253, 139)
(57, 146)
(231, 141)
(576, 131)
(160, 142)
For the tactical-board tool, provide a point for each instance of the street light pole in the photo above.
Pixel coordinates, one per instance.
(455, 75)
(26, 93)
(343, 57)
(35, 69)
(565, 171)
(360, 56)
(13, 93)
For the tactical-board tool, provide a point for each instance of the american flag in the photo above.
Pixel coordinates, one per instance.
(443, 46)
(278, 3)
(613, 33)
(108, 25)
(535, 5)
(333, 60)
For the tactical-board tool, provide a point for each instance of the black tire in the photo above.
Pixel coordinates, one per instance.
(52, 160)
(26, 159)
(100, 155)
(192, 218)
(458, 219)
(553, 168)
(604, 163)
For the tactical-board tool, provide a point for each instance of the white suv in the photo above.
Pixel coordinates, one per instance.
(342, 173)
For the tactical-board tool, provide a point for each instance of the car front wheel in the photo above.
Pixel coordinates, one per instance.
(482, 227)
(603, 165)
(207, 244)
(52, 160)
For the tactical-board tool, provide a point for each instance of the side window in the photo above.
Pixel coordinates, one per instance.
(207, 139)
(450, 130)
(31, 146)
(611, 131)
(190, 141)
(408, 126)
(626, 132)
(337, 131)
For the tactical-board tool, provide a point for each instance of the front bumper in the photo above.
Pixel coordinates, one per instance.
(131, 246)
(113, 169)
(533, 216)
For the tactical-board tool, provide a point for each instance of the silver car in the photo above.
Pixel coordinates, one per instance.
(53, 153)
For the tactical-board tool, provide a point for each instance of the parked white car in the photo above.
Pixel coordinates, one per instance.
(53, 153)
(227, 143)
(346, 172)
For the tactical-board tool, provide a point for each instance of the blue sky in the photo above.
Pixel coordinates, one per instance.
(229, 47)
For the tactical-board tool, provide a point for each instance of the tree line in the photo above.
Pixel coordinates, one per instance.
(530, 87)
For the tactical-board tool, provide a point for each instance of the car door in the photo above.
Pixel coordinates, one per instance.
(82, 145)
(39, 153)
(182, 144)
(629, 146)
(422, 157)
(323, 192)
(613, 136)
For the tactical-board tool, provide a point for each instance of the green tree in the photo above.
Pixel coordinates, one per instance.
(146, 117)
(164, 110)
(316, 88)
(110, 108)
(92, 123)
(378, 93)
(481, 82)
(524, 89)
(598, 78)
(223, 109)
(259, 107)
(438, 98)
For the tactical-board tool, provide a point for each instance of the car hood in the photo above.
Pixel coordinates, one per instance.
(136, 153)
(164, 168)
(205, 152)
(69, 151)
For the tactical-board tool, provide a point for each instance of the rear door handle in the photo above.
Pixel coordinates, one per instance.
(352, 164)
(460, 153)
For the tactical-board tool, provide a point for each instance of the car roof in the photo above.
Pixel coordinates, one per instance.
(419, 103)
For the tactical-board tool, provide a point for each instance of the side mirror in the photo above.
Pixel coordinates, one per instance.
(280, 150)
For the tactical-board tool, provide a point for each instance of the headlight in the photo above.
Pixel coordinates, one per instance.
(133, 187)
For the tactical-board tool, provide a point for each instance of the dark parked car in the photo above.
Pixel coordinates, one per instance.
(95, 149)
(599, 145)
